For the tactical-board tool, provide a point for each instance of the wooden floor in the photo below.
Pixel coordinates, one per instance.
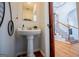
(66, 50)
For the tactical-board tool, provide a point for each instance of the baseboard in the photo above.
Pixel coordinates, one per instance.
(42, 53)
(36, 50)
(24, 52)
(21, 53)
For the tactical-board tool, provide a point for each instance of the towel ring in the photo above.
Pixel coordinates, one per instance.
(10, 24)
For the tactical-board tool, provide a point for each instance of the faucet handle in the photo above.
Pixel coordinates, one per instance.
(35, 27)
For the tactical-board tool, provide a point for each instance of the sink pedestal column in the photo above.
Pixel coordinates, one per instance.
(30, 46)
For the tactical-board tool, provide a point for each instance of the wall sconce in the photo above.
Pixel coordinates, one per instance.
(34, 18)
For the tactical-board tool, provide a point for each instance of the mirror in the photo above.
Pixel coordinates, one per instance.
(29, 10)
(2, 12)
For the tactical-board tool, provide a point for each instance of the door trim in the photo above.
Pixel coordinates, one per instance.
(51, 29)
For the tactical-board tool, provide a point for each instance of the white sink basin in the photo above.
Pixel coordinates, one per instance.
(28, 32)
(30, 37)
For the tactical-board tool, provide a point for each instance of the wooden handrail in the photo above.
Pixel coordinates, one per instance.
(63, 24)
(73, 26)
(67, 25)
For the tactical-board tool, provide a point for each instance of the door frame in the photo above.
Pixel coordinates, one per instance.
(51, 30)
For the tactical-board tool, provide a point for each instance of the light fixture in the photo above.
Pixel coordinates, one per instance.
(29, 3)
(34, 18)
(34, 9)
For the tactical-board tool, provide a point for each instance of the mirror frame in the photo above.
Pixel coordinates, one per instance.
(3, 13)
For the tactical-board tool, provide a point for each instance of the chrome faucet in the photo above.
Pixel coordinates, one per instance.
(22, 26)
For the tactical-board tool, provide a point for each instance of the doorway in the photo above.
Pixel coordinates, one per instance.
(63, 28)
(65, 22)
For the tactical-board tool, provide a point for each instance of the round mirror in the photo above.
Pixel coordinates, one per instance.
(2, 12)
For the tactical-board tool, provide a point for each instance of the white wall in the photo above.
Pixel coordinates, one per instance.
(47, 39)
(7, 43)
(21, 42)
(44, 20)
(40, 43)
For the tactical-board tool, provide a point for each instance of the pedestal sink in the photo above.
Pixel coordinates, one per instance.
(30, 37)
